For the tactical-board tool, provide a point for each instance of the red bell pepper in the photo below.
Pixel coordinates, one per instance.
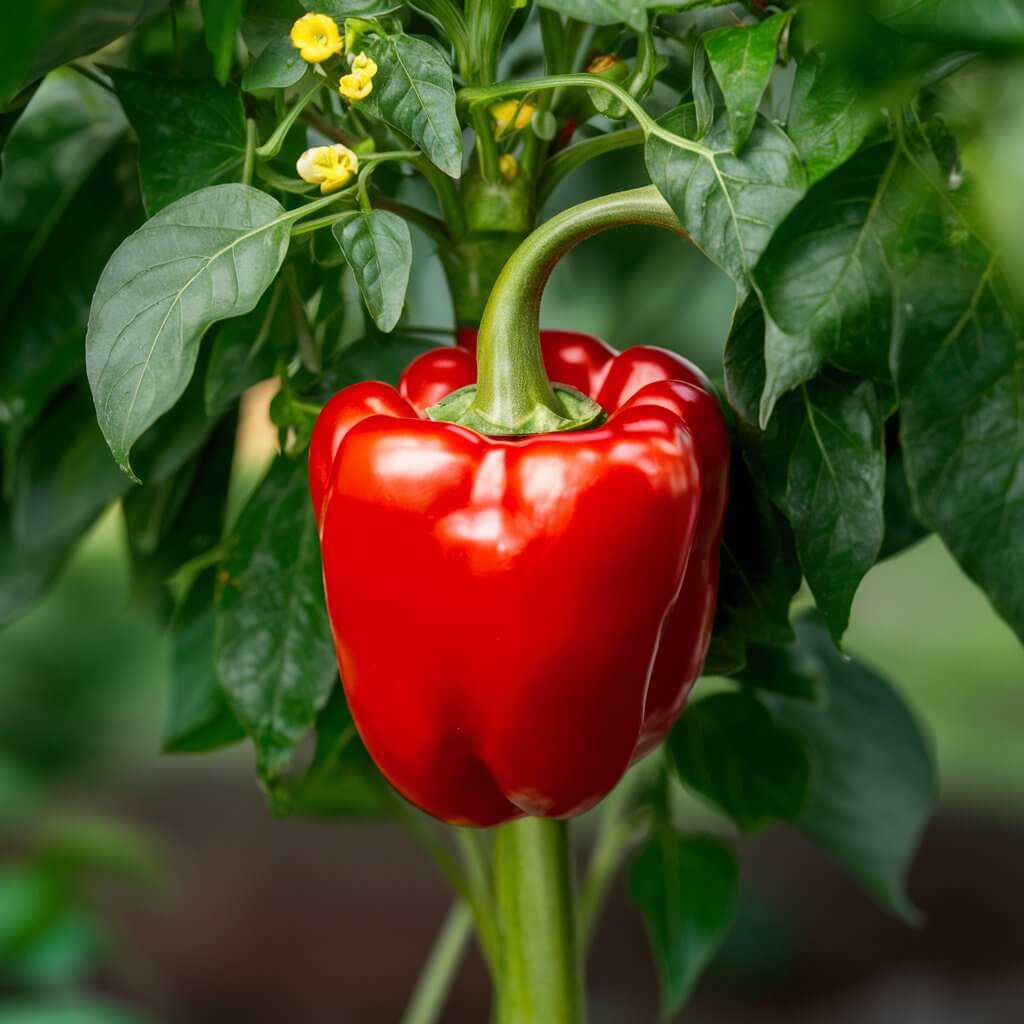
(518, 619)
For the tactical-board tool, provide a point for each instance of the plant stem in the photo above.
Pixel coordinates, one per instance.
(513, 391)
(541, 977)
(435, 980)
(250, 151)
(546, 82)
(568, 159)
(272, 146)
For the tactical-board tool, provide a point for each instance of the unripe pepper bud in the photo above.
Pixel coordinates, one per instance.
(330, 167)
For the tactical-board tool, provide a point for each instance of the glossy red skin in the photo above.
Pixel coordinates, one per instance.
(525, 619)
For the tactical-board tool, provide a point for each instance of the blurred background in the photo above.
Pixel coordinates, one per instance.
(161, 888)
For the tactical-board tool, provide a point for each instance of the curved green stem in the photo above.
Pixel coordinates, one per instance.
(427, 1002)
(513, 395)
(568, 159)
(541, 977)
(250, 151)
(272, 146)
(586, 81)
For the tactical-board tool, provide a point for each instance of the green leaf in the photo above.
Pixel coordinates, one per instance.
(685, 887)
(342, 780)
(65, 131)
(38, 37)
(962, 22)
(191, 133)
(962, 444)
(413, 92)
(181, 518)
(829, 116)
(826, 279)
(730, 205)
(372, 359)
(605, 12)
(822, 459)
(875, 784)
(198, 717)
(339, 10)
(44, 344)
(246, 349)
(760, 574)
(782, 668)
(742, 59)
(835, 490)
(221, 20)
(277, 67)
(25, 573)
(202, 259)
(730, 749)
(378, 248)
(275, 657)
(902, 527)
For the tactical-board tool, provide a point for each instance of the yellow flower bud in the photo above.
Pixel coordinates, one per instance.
(316, 37)
(602, 63)
(359, 83)
(330, 167)
(511, 115)
(509, 167)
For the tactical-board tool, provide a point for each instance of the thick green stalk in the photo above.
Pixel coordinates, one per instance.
(513, 395)
(540, 978)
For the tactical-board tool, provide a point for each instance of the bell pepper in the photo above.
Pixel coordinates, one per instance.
(517, 619)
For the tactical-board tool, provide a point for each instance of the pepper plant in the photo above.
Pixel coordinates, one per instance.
(197, 198)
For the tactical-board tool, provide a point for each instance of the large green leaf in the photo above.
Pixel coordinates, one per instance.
(730, 205)
(25, 572)
(998, 23)
(246, 349)
(198, 716)
(742, 58)
(65, 131)
(759, 575)
(822, 459)
(413, 92)
(275, 658)
(826, 279)
(277, 67)
(829, 116)
(875, 785)
(181, 518)
(342, 780)
(606, 12)
(730, 749)
(202, 259)
(44, 343)
(378, 248)
(339, 10)
(221, 21)
(782, 668)
(191, 133)
(685, 887)
(39, 36)
(960, 370)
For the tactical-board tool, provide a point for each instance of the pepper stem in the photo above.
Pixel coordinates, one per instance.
(513, 395)
(540, 976)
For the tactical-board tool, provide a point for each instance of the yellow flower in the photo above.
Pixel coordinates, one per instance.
(509, 167)
(359, 84)
(330, 167)
(511, 115)
(316, 37)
